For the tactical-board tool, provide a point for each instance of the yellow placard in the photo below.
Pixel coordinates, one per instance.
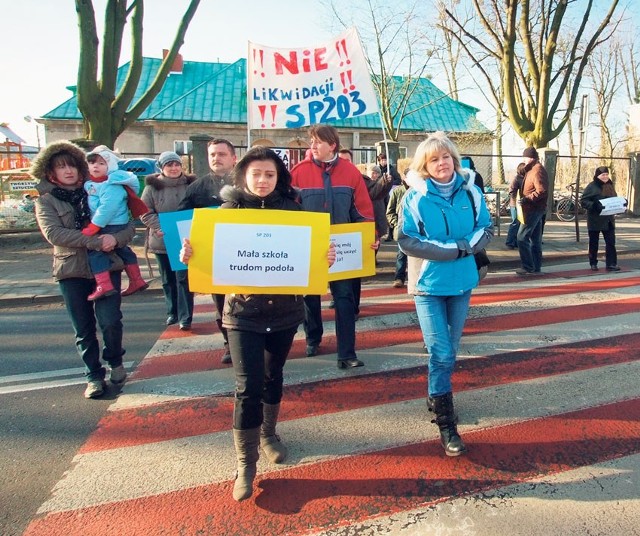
(354, 256)
(252, 251)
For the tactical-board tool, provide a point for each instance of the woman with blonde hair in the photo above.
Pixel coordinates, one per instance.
(443, 222)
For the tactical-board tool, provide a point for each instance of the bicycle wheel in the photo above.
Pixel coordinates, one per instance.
(565, 210)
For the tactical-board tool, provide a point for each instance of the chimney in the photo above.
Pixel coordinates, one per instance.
(177, 63)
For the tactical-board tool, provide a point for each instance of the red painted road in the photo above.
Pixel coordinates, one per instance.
(316, 496)
(311, 497)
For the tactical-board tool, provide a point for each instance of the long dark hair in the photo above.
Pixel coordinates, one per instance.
(261, 154)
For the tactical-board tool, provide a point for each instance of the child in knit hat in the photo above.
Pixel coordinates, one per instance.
(112, 193)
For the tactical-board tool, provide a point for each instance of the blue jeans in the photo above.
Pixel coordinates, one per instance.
(441, 321)
(512, 234)
(175, 287)
(345, 311)
(530, 241)
(85, 313)
(401, 266)
(258, 360)
(99, 261)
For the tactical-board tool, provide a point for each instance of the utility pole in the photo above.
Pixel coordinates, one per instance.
(582, 128)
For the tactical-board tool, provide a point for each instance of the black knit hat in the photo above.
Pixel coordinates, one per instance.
(600, 170)
(530, 152)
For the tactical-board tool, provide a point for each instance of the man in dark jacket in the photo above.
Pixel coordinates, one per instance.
(533, 198)
(205, 192)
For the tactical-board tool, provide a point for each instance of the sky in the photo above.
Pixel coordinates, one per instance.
(41, 44)
(40, 39)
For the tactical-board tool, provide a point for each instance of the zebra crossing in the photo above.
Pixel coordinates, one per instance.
(546, 388)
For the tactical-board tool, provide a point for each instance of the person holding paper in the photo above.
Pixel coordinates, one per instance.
(598, 189)
(260, 327)
(163, 192)
(331, 184)
(443, 222)
(204, 193)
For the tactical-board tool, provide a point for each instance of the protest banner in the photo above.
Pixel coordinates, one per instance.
(296, 87)
(354, 256)
(254, 251)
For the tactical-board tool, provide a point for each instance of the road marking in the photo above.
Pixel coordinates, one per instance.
(35, 381)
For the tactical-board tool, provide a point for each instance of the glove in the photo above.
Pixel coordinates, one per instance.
(464, 248)
(91, 230)
(597, 207)
(522, 201)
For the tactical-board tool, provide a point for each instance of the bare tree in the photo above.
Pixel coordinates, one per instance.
(392, 45)
(629, 53)
(523, 36)
(605, 71)
(107, 114)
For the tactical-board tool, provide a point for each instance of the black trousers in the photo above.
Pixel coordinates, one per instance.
(610, 253)
(258, 361)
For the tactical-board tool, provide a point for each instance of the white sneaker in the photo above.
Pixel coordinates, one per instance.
(118, 375)
(95, 388)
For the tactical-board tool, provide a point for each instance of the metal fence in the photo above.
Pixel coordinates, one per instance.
(16, 203)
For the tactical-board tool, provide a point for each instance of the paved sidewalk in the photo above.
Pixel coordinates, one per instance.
(25, 258)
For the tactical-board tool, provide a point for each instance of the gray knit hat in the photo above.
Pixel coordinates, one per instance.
(168, 156)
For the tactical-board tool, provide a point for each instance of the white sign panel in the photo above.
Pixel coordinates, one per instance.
(348, 252)
(613, 205)
(297, 87)
(273, 256)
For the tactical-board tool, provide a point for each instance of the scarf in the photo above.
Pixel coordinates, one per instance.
(445, 189)
(78, 200)
(608, 190)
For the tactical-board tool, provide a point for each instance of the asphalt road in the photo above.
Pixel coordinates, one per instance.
(42, 427)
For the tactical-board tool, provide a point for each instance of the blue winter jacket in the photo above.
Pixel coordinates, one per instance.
(108, 199)
(442, 235)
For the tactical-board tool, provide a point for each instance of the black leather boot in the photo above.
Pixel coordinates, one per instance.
(446, 420)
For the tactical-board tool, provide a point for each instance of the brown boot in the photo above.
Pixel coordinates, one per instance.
(136, 282)
(104, 287)
(246, 442)
(273, 448)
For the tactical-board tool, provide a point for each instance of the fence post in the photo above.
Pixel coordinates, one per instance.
(200, 157)
(634, 184)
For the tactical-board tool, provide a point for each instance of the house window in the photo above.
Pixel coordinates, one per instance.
(366, 155)
(182, 147)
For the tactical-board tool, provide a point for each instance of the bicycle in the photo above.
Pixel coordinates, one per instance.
(565, 206)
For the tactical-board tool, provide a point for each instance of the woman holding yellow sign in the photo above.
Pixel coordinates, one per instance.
(261, 327)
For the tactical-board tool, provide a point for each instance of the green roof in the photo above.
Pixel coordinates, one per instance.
(216, 92)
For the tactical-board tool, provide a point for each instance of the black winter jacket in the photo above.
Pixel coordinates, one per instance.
(204, 192)
(590, 202)
(261, 313)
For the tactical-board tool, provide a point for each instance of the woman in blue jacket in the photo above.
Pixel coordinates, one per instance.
(443, 222)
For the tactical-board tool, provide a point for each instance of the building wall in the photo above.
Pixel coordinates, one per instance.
(153, 137)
